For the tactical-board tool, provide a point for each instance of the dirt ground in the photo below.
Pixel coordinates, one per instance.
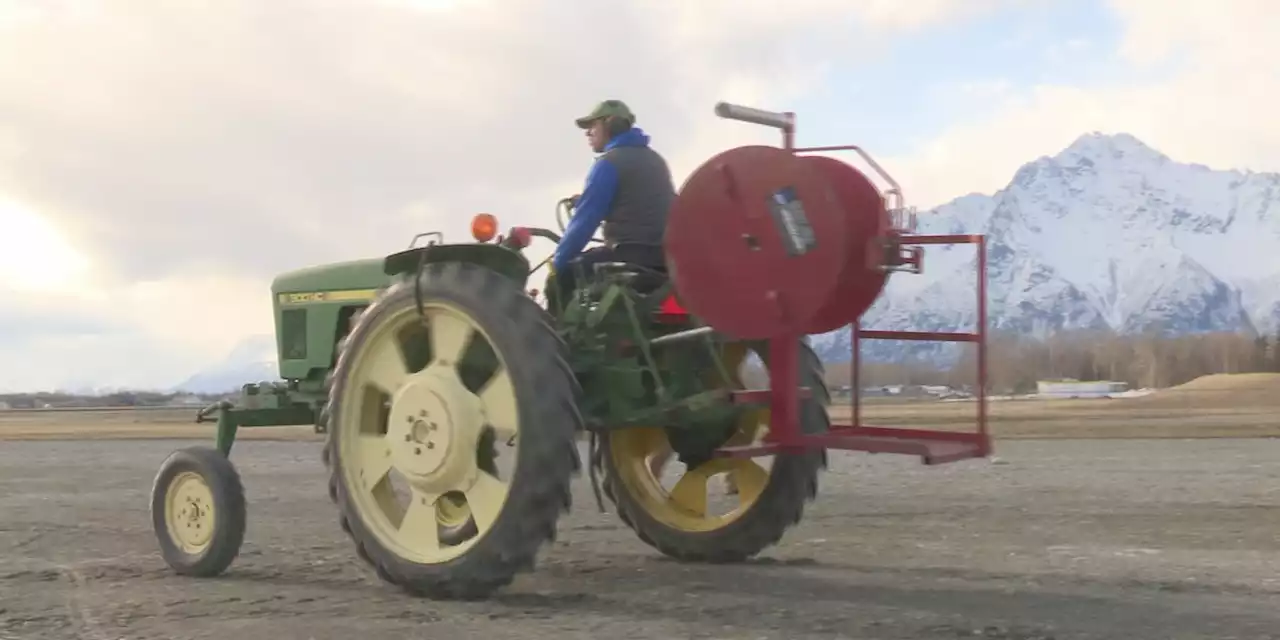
(1123, 539)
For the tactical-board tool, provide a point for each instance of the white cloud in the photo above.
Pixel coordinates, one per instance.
(186, 152)
(1216, 107)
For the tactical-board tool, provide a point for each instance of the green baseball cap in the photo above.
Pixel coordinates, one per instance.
(604, 110)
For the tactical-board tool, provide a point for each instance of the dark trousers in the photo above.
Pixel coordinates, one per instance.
(641, 254)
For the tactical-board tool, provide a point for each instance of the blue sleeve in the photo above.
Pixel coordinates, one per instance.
(602, 183)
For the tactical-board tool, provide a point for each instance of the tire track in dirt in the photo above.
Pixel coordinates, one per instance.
(88, 624)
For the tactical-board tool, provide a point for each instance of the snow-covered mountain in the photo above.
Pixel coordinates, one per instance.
(252, 360)
(1109, 233)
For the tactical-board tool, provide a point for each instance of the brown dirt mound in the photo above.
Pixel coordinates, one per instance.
(1232, 382)
(1220, 390)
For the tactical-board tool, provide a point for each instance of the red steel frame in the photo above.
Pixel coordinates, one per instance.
(933, 447)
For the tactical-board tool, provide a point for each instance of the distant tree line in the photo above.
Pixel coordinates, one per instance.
(61, 400)
(1016, 362)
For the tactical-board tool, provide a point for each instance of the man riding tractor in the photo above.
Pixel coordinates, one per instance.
(628, 191)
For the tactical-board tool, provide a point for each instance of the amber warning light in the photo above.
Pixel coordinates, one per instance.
(484, 227)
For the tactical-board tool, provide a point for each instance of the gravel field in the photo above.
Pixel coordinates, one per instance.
(1122, 539)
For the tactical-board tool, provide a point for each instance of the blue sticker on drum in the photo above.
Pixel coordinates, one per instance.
(788, 213)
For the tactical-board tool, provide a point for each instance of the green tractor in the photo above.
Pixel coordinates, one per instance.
(427, 368)
(456, 408)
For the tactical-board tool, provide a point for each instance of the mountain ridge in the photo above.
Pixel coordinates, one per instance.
(1109, 233)
(253, 359)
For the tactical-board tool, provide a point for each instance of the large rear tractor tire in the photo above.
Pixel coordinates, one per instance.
(416, 406)
(680, 521)
(198, 511)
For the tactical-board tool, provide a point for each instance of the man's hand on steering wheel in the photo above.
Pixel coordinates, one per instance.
(571, 203)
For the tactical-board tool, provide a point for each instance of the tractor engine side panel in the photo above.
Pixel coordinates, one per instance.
(312, 308)
(307, 331)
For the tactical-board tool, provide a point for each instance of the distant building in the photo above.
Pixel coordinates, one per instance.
(913, 391)
(186, 400)
(1069, 388)
(890, 390)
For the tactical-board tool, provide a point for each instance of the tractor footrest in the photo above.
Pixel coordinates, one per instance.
(933, 447)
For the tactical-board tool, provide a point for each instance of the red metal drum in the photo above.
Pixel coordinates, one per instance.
(866, 223)
(756, 243)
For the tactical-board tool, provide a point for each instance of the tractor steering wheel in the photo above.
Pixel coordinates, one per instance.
(564, 213)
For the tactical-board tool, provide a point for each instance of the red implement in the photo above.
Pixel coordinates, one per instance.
(756, 243)
(766, 244)
(866, 227)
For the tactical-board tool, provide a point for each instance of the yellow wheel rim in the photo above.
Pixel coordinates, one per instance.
(452, 510)
(189, 512)
(408, 439)
(639, 454)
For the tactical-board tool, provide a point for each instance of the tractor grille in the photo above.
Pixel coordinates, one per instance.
(293, 334)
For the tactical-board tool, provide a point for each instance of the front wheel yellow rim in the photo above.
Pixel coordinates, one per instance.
(189, 512)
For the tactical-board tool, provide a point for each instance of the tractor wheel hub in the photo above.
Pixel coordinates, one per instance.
(434, 429)
(190, 507)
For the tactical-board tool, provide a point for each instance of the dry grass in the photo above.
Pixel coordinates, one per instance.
(123, 424)
(1218, 406)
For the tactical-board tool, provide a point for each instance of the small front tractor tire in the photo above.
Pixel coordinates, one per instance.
(391, 420)
(198, 511)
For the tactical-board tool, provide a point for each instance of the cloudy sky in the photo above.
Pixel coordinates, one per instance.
(160, 160)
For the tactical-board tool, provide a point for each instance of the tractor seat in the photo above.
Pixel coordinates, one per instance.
(641, 279)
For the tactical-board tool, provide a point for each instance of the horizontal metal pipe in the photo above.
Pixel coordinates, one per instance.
(784, 121)
(681, 336)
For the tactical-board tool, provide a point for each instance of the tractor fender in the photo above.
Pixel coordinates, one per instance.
(507, 262)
